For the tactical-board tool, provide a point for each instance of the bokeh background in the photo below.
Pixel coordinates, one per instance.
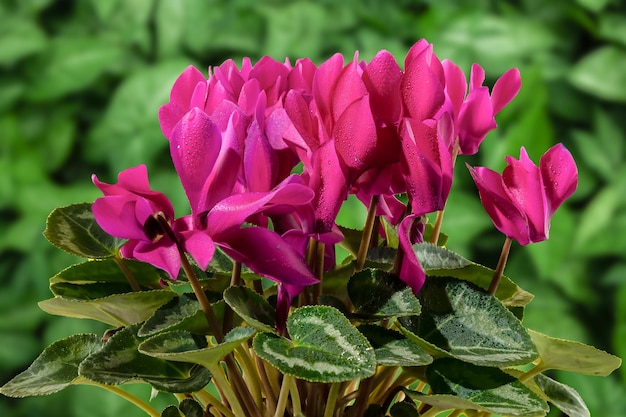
(81, 82)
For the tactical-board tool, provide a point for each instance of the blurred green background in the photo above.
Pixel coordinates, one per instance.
(81, 82)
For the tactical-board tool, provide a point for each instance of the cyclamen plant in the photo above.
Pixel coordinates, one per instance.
(240, 308)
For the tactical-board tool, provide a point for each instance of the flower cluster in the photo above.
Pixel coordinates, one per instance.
(371, 129)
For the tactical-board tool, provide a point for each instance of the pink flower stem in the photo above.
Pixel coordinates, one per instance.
(497, 275)
(434, 238)
(367, 234)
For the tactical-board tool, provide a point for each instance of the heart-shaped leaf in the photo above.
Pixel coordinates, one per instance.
(489, 388)
(181, 313)
(55, 369)
(186, 408)
(181, 346)
(377, 294)
(469, 324)
(564, 397)
(108, 271)
(438, 261)
(120, 361)
(324, 347)
(253, 308)
(392, 348)
(74, 229)
(116, 310)
(573, 356)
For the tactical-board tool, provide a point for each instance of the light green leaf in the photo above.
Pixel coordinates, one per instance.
(55, 369)
(181, 346)
(253, 308)
(116, 310)
(600, 71)
(71, 64)
(438, 261)
(573, 356)
(469, 324)
(19, 38)
(392, 348)
(564, 397)
(324, 347)
(74, 229)
(489, 388)
(377, 294)
(120, 361)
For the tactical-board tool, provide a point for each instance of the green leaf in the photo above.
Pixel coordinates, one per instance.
(324, 347)
(490, 388)
(71, 64)
(404, 409)
(19, 38)
(180, 346)
(186, 408)
(253, 308)
(467, 323)
(55, 369)
(119, 361)
(377, 294)
(181, 313)
(600, 71)
(108, 271)
(116, 310)
(443, 401)
(438, 261)
(564, 397)
(392, 348)
(74, 229)
(573, 356)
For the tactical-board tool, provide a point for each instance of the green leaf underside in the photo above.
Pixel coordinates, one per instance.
(180, 346)
(55, 368)
(377, 294)
(564, 397)
(463, 321)
(324, 347)
(438, 261)
(392, 348)
(567, 355)
(181, 313)
(119, 361)
(489, 388)
(116, 310)
(107, 271)
(253, 308)
(74, 229)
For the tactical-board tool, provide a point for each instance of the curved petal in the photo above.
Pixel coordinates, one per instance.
(474, 121)
(559, 175)
(411, 271)
(421, 89)
(162, 254)
(116, 216)
(505, 89)
(382, 78)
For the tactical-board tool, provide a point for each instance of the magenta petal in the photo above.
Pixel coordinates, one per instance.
(324, 83)
(348, 89)
(522, 182)
(411, 271)
(266, 253)
(195, 145)
(474, 121)
(504, 214)
(382, 77)
(200, 246)
(505, 89)
(421, 89)
(355, 137)
(260, 161)
(477, 77)
(559, 176)
(184, 86)
(456, 85)
(116, 216)
(162, 254)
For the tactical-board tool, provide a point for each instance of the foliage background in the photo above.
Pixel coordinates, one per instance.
(81, 82)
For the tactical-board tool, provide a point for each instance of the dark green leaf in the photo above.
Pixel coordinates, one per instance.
(469, 324)
(190, 408)
(404, 409)
(171, 411)
(181, 346)
(324, 347)
(490, 388)
(181, 313)
(377, 294)
(564, 397)
(392, 348)
(119, 361)
(88, 291)
(55, 369)
(438, 261)
(117, 310)
(74, 229)
(108, 271)
(253, 308)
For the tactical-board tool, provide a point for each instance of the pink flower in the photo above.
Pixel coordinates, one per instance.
(128, 211)
(523, 199)
(473, 115)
